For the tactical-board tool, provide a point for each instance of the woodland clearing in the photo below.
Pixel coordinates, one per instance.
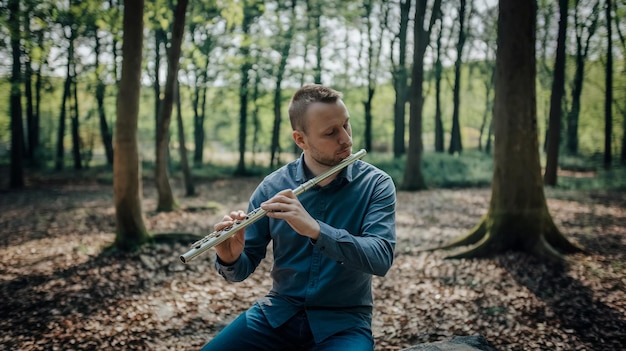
(60, 291)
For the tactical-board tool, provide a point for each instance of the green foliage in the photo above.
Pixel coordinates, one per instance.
(442, 170)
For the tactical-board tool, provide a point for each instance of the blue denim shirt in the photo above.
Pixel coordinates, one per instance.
(331, 278)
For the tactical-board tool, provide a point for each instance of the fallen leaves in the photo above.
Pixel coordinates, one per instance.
(58, 291)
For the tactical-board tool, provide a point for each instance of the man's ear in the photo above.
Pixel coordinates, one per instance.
(299, 138)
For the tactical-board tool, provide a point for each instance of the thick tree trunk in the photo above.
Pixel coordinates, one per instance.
(518, 217)
(16, 180)
(166, 200)
(127, 190)
(558, 89)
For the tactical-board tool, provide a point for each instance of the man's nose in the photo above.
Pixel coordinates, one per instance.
(345, 137)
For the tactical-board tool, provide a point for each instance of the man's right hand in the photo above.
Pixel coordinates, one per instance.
(230, 250)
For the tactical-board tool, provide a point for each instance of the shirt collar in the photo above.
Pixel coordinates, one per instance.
(303, 174)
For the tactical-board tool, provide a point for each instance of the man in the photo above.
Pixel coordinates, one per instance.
(327, 243)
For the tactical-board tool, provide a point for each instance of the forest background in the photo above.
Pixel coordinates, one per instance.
(239, 63)
(70, 54)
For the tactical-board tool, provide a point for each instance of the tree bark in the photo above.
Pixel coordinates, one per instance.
(127, 189)
(518, 216)
(558, 89)
(413, 178)
(166, 200)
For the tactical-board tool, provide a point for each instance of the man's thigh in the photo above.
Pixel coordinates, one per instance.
(239, 335)
(354, 339)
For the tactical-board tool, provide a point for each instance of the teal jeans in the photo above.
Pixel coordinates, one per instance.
(253, 333)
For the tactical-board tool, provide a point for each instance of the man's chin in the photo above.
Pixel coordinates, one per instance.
(345, 154)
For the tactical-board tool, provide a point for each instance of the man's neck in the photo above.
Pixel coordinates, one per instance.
(313, 169)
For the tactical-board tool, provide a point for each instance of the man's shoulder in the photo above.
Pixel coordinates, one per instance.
(365, 168)
(282, 177)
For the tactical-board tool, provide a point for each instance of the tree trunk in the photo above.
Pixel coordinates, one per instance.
(127, 189)
(190, 189)
(622, 41)
(243, 90)
(285, 48)
(574, 112)
(488, 112)
(105, 133)
(34, 134)
(608, 91)
(159, 38)
(456, 144)
(31, 144)
(556, 98)
(413, 178)
(199, 104)
(401, 83)
(62, 115)
(582, 50)
(367, 108)
(438, 75)
(518, 217)
(76, 144)
(243, 112)
(16, 179)
(256, 121)
(317, 15)
(166, 200)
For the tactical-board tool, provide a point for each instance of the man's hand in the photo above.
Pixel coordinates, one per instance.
(230, 250)
(285, 205)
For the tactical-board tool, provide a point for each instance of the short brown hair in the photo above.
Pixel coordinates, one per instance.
(304, 97)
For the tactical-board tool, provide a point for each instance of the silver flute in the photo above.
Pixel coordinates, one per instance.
(220, 236)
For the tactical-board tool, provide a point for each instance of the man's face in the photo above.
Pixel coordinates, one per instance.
(328, 136)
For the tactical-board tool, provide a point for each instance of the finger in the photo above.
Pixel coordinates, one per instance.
(287, 193)
(225, 223)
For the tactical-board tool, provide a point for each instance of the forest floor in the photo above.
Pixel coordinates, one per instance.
(60, 291)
